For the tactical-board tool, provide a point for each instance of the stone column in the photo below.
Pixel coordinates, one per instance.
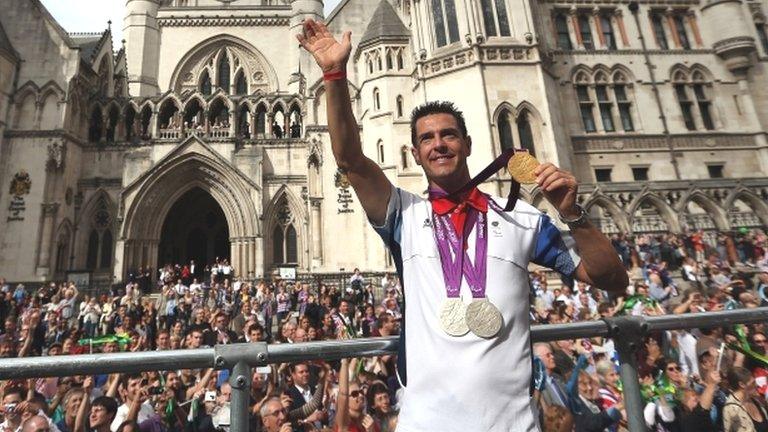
(316, 227)
(46, 234)
(574, 13)
(258, 269)
(598, 26)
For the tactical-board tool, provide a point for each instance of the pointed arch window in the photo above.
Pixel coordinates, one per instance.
(380, 151)
(62, 252)
(376, 100)
(390, 63)
(404, 156)
(223, 78)
(401, 62)
(106, 250)
(525, 133)
(205, 83)
(399, 104)
(291, 250)
(504, 124)
(100, 240)
(446, 24)
(284, 237)
(94, 130)
(261, 120)
(241, 85)
(93, 250)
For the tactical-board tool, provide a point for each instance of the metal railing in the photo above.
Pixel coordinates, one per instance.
(626, 332)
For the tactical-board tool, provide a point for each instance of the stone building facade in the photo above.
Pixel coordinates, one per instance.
(205, 135)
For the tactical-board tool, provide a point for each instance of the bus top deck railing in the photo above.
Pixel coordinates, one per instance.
(626, 332)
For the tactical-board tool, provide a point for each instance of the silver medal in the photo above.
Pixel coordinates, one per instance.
(483, 318)
(453, 317)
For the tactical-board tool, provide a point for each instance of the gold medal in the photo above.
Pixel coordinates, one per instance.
(521, 167)
(453, 317)
(483, 318)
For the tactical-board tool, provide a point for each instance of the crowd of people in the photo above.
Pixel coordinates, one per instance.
(701, 379)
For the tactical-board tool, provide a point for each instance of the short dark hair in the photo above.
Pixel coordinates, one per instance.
(437, 107)
(107, 402)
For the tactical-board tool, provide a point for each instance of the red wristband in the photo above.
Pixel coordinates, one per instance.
(334, 76)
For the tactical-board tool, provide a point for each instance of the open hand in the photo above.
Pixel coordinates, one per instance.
(329, 54)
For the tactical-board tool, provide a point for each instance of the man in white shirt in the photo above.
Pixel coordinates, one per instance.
(180, 288)
(133, 385)
(435, 396)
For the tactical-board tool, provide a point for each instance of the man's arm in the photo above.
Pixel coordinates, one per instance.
(366, 177)
(600, 265)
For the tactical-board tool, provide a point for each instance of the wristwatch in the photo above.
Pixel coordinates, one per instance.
(578, 221)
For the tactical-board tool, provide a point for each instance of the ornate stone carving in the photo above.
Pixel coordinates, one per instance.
(21, 184)
(57, 151)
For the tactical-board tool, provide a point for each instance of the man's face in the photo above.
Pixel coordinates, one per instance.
(221, 322)
(300, 335)
(134, 385)
(300, 375)
(99, 416)
(195, 339)
(274, 417)
(225, 395)
(162, 340)
(255, 335)
(10, 402)
(545, 354)
(440, 148)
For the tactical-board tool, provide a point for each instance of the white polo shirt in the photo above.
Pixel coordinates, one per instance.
(468, 383)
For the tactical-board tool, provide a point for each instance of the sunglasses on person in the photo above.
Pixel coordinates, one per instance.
(759, 341)
(673, 368)
(356, 393)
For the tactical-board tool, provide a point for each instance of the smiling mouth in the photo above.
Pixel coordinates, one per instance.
(442, 158)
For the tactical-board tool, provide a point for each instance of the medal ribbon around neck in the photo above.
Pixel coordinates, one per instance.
(447, 240)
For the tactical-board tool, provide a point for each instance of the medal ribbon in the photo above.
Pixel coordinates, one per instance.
(497, 164)
(461, 266)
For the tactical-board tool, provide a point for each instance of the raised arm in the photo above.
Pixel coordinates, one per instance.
(366, 177)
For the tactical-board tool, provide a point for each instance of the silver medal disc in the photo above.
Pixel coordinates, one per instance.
(483, 318)
(453, 317)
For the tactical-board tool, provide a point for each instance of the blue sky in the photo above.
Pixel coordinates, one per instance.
(92, 15)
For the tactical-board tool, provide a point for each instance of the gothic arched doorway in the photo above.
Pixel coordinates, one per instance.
(194, 229)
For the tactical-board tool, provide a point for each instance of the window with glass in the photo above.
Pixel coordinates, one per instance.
(585, 106)
(682, 34)
(705, 106)
(603, 174)
(657, 20)
(763, 36)
(640, 173)
(606, 27)
(606, 107)
(585, 29)
(505, 130)
(223, 73)
(625, 107)
(399, 105)
(445, 21)
(685, 106)
(495, 18)
(563, 35)
(376, 101)
(525, 133)
(715, 170)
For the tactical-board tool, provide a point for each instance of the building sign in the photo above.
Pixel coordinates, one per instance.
(344, 199)
(20, 186)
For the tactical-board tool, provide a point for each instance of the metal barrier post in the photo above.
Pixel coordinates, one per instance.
(627, 333)
(240, 380)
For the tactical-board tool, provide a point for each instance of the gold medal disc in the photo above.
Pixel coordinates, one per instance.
(521, 167)
(484, 319)
(453, 317)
